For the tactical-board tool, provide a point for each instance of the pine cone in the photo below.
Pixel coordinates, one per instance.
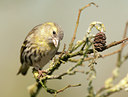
(100, 41)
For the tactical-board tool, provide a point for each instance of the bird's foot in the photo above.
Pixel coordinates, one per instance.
(41, 73)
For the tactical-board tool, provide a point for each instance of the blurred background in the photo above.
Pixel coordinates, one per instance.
(18, 17)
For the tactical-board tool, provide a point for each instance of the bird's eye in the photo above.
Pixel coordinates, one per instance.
(54, 32)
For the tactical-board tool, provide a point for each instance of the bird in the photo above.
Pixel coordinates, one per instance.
(40, 46)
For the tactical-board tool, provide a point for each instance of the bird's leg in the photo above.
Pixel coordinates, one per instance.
(40, 72)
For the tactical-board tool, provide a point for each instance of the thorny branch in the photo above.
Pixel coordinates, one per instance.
(83, 48)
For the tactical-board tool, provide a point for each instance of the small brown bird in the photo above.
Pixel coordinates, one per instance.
(40, 46)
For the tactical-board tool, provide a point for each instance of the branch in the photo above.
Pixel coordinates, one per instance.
(69, 86)
(82, 48)
(77, 23)
(122, 85)
(109, 82)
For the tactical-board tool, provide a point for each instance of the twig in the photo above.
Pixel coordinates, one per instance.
(63, 51)
(63, 74)
(109, 82)
(121, 48)
(116, 43)
(125, 33)
(86, 43)
(122, 85)
(81, 59)
(91, 50)
(77, 23)
(61, 90)
(90, 58)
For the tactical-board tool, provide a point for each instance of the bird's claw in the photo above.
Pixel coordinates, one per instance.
(41, 73)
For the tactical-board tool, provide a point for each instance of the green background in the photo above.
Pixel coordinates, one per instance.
(18, 17)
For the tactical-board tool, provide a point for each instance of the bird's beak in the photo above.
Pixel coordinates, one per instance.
(56, 42)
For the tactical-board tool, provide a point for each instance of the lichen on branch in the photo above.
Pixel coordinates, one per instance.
(91, 44)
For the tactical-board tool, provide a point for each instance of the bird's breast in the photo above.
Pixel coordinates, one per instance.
(47, 52)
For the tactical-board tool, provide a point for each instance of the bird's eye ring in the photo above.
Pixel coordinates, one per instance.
(54, 32)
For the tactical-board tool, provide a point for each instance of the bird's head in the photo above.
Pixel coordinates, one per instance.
(52, 33)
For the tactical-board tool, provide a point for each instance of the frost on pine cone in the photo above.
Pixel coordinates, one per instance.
(100, 41)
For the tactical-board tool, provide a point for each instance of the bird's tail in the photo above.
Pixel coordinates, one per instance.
(23, 69)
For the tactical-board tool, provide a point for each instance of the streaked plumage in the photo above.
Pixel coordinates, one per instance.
(40, 46)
